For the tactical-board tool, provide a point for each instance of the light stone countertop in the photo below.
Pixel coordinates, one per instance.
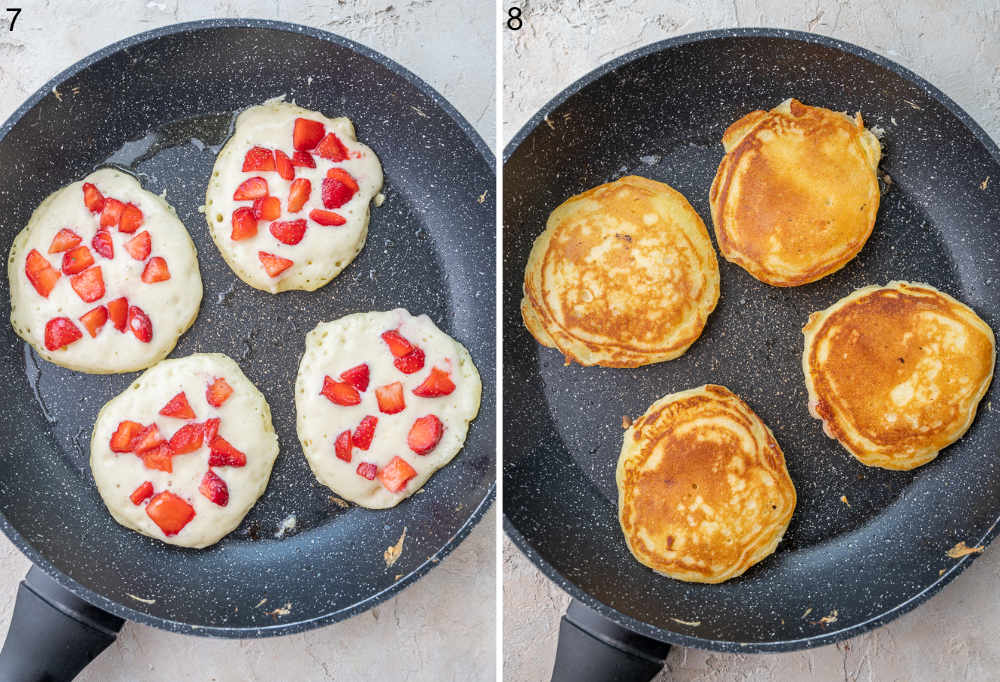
(951, 637)
(443, 626)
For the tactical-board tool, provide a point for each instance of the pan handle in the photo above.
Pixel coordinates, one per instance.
(53, 634)
(594, 649)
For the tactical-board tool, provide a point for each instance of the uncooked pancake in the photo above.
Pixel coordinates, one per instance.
(288, 201)
(623, 275)
(104, 278)
(184, 452)
(896, 372)
(382, 401)
(703, 492)
(796, 194)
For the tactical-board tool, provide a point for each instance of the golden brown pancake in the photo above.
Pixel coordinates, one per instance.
(796, 194)
(896, 372)
(703, 492)
(623, 275)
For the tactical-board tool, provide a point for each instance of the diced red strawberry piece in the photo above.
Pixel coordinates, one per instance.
(267, 208)
(437, 384)
(357, 376)
(88, 285)
(252, 188)
(211, 429)
(112, 213)
(411, 362)
(59, 332)
(390, 398)
(178, 407)
(303, 159)
(140, 245)
(343, 176)
(396, 474)
(283, 165)
(274, 265)
(103, 244)
(214, 488)
(342, 446)
(306, 134)
(156, 270)
(244, 224)
(398, 345)
(335, 193)
(170, 512)
(40, 273)
(222, 454)
(289, 231)
(326, 217)
(218, 392)
(64, 240)
(298, 194)
(140, 324)
(124, 436)
(142, 493)
(330, 147)
(425, 434)
(258, 158)
(131, 219)
(159, 458)
(147, 439)
(367, 470)
(118, 313)
(92, 198)
(77, 260)
(365, 432)
(340, 393)
(94, 320)
(187, 439)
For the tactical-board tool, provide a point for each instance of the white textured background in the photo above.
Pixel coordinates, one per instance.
(439, 629)
(954, 45)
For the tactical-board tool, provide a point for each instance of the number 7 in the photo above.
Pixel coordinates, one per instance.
(17, 13)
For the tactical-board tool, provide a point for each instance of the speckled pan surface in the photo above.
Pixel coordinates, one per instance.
(840, 569)
(160, 105)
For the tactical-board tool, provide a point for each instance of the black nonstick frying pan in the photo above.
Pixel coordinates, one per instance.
(841, 570)
(160, 105)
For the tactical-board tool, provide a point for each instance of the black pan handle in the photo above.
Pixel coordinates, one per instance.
(53, 634)
(593, 649)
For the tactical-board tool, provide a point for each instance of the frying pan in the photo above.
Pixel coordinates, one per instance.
(840, 570)
(160, 105)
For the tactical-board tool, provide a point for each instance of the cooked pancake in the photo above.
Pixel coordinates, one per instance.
(623, 275)
(796, 194)
(703, 492)
(896, 372)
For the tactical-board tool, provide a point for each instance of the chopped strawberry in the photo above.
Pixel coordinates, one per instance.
(147, 439)
(77, 260)
(40, 273)
(289, 231)
(343, 176)
(274, 265)
(59, 332)
(303, 159)
(118, 312)
(211, 429)
(298, 195)
(218, 392)
(103, 245)
(267, 208)
(159, 458)
(336, 193)
(253, 188)
(411, 362)
(437, 384)
(396, 474)
(140, 324)
(140, 245)
(222, 454)
(170, 512)
(156, 270)
(258, 158)
(326, 217)
(244, 224)
(330, 147)
(142, 493)
(88, 285)
(307, 134)
(368, 470)
(425, 434)
(131, 219)
(93, 198)
(214, 488)
(342, 446)
(187, 439)
(178, 407)
(64, 240)
(283, 165)
(340, 393)
(398, 345)
(390, 398)
(357, 376)
(365, 432)
(94, 320)
(112, 213)
(124, 436)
